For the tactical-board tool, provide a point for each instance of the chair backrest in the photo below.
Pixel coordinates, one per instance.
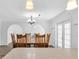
(42, 40)
(47, 37)
(21, 38)
(28, 37)
(13, 38)
(39, 38)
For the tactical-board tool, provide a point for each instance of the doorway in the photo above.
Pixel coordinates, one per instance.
(64, 35)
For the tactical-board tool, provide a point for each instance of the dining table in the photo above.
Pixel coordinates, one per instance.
(42, 53)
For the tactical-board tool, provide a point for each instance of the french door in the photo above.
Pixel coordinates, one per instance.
(64, 35)
(60, 35)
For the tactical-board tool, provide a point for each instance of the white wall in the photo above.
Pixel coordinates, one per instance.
(64, 16)
(0, 31)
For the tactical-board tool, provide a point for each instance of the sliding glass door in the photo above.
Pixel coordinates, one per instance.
(64, 35)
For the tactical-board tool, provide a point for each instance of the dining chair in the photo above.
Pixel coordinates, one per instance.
(42, 40)
(21, 40)
(14, 42)
(39, 40)
(28, 37)
(47, 38)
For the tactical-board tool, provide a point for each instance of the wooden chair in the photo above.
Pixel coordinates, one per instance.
(40, 41)
(28, 37)
(21, 40)
(13, 40)
(47, 38)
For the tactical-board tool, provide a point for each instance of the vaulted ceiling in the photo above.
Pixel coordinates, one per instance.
(16, 8)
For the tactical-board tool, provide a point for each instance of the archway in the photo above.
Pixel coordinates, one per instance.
(14, 28)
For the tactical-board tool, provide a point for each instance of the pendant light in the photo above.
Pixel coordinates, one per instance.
(72, 4)
(29, 5)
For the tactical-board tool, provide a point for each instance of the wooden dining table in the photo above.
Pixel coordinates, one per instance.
(42, 53)
(33, 44)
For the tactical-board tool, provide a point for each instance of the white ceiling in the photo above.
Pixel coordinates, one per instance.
(16, 8)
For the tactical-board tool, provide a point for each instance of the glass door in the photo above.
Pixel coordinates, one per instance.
(64, 35)
(59, 35)
(67, 35)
